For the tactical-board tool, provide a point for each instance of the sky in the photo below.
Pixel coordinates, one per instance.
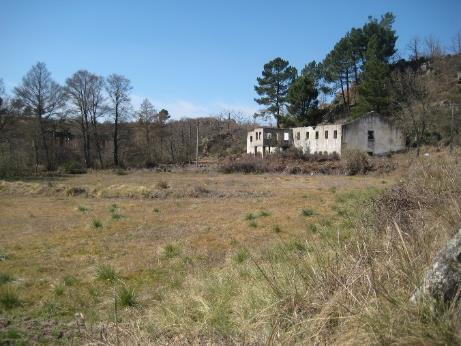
(201, 57)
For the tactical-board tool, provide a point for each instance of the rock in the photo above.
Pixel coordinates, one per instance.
(443, 279)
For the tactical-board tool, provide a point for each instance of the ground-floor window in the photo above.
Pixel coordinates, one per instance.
(335, 134)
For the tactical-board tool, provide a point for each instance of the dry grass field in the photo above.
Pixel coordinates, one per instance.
(140, 256)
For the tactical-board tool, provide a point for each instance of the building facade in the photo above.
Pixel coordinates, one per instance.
(371, 133)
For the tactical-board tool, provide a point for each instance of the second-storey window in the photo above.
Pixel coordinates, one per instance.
(326, 134)
(335, 134)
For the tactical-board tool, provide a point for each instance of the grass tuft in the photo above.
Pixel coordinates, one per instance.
(106, 273)
(97, 223)
(250, 216)
(264, 213)
(253, 224)
(82, 208)
(171, 251)
(241, 255)
(5, 278)
(9, 299)
(127, 297)
(308, 212)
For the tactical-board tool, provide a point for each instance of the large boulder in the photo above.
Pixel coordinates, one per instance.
(443, 279)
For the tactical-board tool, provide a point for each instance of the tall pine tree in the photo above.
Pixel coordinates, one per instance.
(302, 98)
(272, 88)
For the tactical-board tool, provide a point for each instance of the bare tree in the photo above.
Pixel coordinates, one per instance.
(118, 88)
(414, 47)
(97, 110)
(44, 98)
(84, 90)
(433, 47)
(456, 43)
(146, 117)
(413, 104)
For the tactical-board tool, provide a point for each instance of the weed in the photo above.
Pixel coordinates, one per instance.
(162, 185)
(120, 172)
(277, 229)
(5, 278)
(106, 273)
(127, 297)
(70, 280)
(333, 189)
(253, 224)
(82, 209)
(313, 228)
(113, 208)
(116, 216)
(250, 216)
(156, 210)
(97, 223)
(58, 290)
(171, 251)
(264, 213)
(308, 212)
(241, 255)
(9, 299)
(4, 255)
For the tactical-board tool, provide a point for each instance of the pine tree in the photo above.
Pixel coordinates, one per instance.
(302, 98)
(374, 88)
(273, 86)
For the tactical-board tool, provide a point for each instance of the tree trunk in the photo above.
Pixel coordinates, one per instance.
(116, 137)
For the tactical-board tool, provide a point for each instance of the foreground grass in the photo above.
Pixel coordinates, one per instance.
(341, 272)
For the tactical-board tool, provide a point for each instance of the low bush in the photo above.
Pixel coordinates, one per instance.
(244, 164)
(73, 167)
(356, 162)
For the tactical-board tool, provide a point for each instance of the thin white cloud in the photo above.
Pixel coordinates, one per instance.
(180, 108)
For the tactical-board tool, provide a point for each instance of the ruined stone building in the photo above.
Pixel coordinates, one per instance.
(371, 133)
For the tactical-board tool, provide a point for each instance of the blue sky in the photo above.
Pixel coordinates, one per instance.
(195, 57)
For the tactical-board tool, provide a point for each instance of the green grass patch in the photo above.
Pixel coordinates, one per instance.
(308, 212)
(171, 251)
(253, 224)
(9, 299)
(264, 213)
(5, 278)
(127, 297)
(241, 256)
(106, 273)
(70, 280)
(96, 223)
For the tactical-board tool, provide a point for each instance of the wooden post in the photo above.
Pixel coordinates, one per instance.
(452, 125)
(196, 148)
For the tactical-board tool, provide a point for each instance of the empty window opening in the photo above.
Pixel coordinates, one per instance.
(335, 134)
(269, 135)
(307, 135)
(326, 134)
(298, 136)
(316, 134)
(371, 135)
(286, 136)
(251, 139)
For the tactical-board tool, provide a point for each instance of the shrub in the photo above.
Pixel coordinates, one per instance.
(308, 212)
(120, 171)
(106, 273)
(356, 162)
(4, 255)
(73, 167)
(244, 164)
(5, 278)
(82, 208)
(76, 191)
(97, 223)
(9, 299)
(127, 297)
(253, 224)
(162, 184)
(250, 216)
